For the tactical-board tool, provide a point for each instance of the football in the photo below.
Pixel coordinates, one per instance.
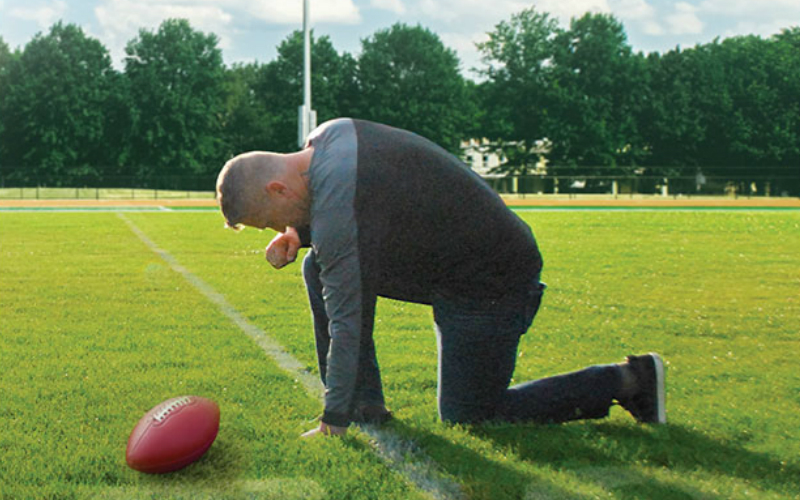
(173, 434)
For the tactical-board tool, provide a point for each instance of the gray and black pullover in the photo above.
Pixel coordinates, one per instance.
(394, 215)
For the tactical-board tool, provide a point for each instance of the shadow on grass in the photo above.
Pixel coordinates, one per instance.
(479, 476)
(604, 453)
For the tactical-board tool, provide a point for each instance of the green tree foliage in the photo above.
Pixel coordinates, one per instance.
(177, 110)
(409, 79)
(729, 104)
(598, 84)
(54, 105)
(6, 59)
(177, 83)
(518, 56)
(582, 88)
(279, 85)
(246, 124)
(671, 121)
(763, 126)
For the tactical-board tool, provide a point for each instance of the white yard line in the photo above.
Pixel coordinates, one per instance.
(400, 455)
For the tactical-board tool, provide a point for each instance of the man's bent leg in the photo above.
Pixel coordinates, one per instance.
(586, 393)
(473, 375)
(477, 354)
(319, 316)
(477, 343)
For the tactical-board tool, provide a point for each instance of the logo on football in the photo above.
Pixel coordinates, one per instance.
(173, 434)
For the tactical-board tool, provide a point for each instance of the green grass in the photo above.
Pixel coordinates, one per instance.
(95, 329)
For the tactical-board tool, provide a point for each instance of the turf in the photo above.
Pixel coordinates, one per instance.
(95, 329)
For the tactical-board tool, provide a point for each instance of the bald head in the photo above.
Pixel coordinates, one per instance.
(242, 180)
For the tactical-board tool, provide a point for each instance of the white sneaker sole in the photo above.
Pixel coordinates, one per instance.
(661, 406)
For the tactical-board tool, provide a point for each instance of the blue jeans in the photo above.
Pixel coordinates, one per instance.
(478, 342)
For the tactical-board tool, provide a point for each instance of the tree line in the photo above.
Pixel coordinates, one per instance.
(176, 109)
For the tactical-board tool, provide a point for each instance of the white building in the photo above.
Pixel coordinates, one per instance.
(483, 156)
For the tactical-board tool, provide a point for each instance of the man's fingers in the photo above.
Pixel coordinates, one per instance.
(277, 252)
(312, 433)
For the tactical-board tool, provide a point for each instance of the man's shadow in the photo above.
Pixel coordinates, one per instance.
(607, 456)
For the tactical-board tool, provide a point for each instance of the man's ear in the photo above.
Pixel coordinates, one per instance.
(275, 187)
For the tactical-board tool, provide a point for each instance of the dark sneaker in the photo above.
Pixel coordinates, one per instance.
(373, 414)
(648, 404)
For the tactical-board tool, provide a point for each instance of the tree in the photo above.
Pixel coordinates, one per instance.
(6, 59)
(279, 86)
(54, 105)
(787, 84)
(247, 125)
(764, 125)
(517, 94)
(409, 79)
(598, 88)
(176, 78)
(672, 124)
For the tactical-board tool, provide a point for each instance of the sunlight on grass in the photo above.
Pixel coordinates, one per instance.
(95, 329)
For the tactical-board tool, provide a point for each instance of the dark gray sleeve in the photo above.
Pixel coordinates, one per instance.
(340, 274)
(334, 237)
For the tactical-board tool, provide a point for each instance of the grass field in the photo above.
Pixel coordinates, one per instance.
(96, 328)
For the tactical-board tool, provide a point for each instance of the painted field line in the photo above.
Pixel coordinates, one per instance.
(83, 209)
(400, 455)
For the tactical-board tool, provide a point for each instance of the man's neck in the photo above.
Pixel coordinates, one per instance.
(297, 165)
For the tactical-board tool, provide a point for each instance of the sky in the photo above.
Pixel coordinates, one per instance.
(250, 30)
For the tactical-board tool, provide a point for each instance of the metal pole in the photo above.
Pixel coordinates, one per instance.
(307, 117)
(306, 59)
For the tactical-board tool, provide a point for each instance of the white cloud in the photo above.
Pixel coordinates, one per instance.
(395, 6)
(469, 11)
(684, 20)
(43, 15)
(464, 45)
(764, 29)
(639, 13)
(634, 9)
(763, 18)
(121, 20)
(745, 8)
(285, 12)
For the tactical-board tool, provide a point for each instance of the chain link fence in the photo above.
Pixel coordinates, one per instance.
(13, 185)
(774, 182)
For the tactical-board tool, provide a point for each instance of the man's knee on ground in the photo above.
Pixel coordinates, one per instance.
(464, 413)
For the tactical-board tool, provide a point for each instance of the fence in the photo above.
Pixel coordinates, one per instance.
(777, 182)
(16, 186)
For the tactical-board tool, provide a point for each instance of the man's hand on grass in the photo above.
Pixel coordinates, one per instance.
(326, 430)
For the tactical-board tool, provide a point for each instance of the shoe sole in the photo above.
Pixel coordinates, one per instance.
(661, 407)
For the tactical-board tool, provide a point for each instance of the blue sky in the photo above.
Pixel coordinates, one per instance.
(249, 30)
